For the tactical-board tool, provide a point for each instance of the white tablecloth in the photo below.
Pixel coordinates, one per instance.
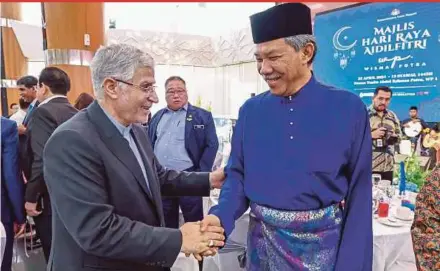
(185, 264)
(2, 241)
(392, 248)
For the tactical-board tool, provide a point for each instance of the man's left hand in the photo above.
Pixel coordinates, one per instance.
(21, 129)
(217, 178)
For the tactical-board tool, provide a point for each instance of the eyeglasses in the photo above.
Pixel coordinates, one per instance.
(172, 92)
(148, 89)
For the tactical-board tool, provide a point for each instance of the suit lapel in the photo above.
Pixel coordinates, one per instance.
(189, 122)
(152, 128)
(29, 113)
(117, 144)
(143, 146)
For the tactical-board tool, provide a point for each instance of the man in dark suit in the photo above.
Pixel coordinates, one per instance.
(53, 110)
(106, 184)
(27, 86)
(183, 138)
(12, 199)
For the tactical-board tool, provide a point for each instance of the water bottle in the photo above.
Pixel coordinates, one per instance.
(402, 185)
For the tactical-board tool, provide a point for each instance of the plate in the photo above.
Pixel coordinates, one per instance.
(395, 216)
(403, 219)
(413, 129)
(390, 222)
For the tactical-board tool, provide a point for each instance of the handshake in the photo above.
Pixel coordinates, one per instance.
(202, 238)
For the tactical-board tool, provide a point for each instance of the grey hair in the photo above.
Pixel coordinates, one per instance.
(298, 42)
(117, 61)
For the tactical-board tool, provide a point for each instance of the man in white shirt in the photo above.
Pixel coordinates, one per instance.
(20, 115)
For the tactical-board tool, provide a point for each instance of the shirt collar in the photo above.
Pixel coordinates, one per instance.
(303, 92)
(125, 131)
(373, 110)
(185, 107)
(51, 98)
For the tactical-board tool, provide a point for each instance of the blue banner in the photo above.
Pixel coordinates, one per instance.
(383, 44)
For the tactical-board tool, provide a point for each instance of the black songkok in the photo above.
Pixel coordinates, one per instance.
(281, 21)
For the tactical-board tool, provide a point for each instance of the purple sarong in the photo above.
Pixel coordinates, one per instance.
(293, 240)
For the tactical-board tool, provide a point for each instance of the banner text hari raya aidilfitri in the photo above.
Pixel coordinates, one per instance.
(383, 44)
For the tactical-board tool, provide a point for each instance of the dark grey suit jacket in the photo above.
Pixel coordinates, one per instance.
(45, 119)
(103, 215)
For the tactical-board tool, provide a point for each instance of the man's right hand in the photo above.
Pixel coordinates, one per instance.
(210, 221)
(378, 133)
(195, 241)
(21, 129)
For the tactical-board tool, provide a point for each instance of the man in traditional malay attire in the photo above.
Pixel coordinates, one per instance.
(298, 151)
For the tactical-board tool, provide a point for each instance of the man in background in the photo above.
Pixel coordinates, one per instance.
(385, 132)
(53, 110)
(11, 200)
(184, 139)
(414, 119)
(19, 116)
(27, 87)
(13, 108)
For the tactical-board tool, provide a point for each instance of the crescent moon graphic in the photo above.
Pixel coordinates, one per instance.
(337, 44)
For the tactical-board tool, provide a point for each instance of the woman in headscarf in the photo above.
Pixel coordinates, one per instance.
(426, 227)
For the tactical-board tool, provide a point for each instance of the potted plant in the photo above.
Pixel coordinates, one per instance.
(415, 175)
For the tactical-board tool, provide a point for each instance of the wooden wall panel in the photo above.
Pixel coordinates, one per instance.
(66, 24)
(10, 10)
(95, 25)
(13, 95)
(15, 62)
